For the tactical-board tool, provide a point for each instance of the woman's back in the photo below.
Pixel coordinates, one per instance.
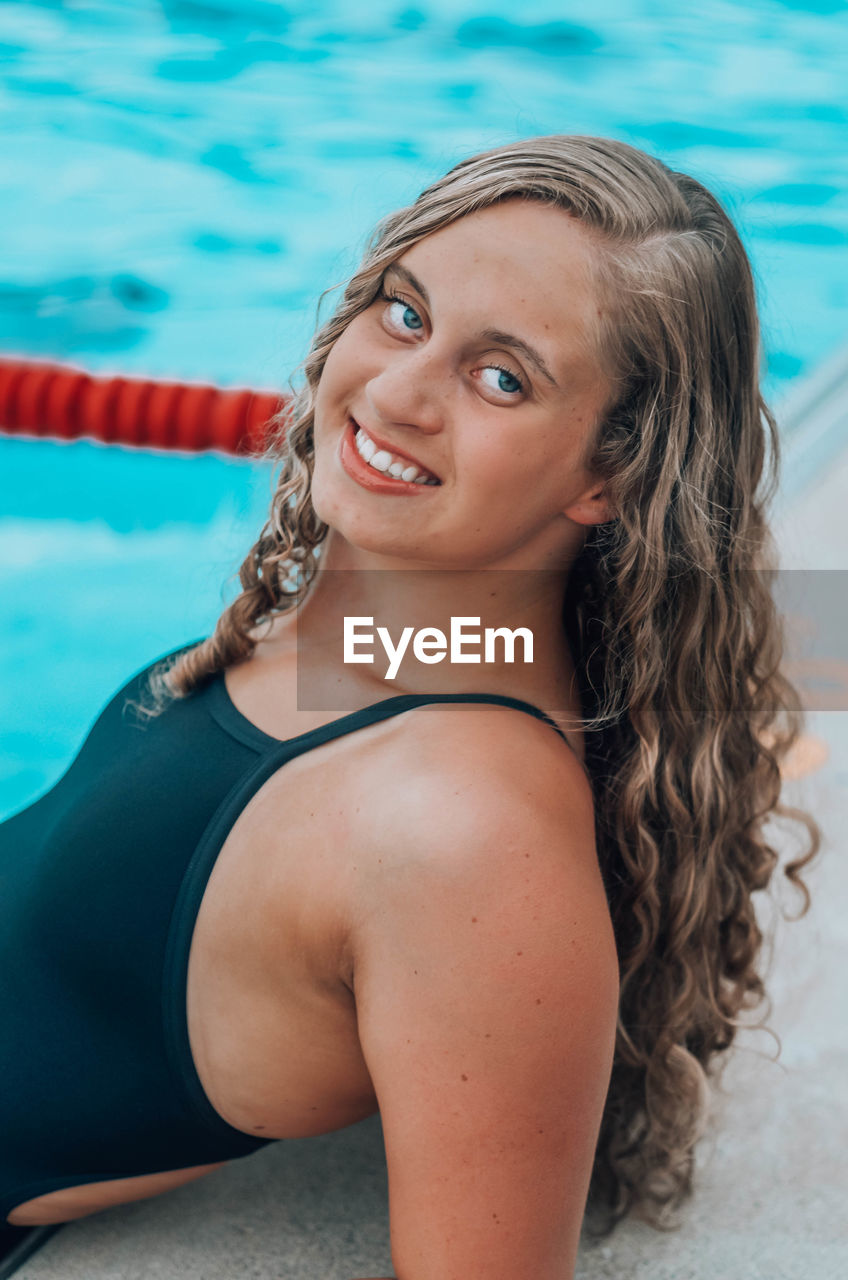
(259, 1036)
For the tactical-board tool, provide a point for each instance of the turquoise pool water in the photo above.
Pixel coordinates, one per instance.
(180, 180)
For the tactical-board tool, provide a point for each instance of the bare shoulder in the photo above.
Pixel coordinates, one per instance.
(486, 986)
(475, 779)
(483, 817)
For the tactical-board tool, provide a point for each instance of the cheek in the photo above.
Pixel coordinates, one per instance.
(513, 472)
(346, 363)
(331, 375)
(336, 374)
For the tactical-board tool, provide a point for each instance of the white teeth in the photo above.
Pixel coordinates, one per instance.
(384, 461)
(366, 447)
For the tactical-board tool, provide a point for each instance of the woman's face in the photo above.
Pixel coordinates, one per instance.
(477, 367)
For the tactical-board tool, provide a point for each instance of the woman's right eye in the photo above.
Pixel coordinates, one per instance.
(400, 315)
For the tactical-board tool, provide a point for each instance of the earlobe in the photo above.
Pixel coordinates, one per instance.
(592, 507)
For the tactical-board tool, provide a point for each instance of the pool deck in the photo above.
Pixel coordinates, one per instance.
(770, 1200)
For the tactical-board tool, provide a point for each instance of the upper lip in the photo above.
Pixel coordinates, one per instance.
(392, 448)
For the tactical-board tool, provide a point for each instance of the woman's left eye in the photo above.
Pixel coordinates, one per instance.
(504, 380)
(402, 315)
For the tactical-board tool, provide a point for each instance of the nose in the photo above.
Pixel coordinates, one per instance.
(410, 391)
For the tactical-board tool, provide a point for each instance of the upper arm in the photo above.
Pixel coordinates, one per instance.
(486, 990)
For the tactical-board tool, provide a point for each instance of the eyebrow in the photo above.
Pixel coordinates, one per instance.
(497, 336)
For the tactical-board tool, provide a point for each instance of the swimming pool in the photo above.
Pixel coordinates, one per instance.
(184, 178)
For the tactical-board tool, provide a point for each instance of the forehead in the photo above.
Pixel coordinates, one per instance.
(520, 266)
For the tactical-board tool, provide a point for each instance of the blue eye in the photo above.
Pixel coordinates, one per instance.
(410, 318)
(506, 381)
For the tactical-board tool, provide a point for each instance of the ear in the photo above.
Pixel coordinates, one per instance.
(591, 507)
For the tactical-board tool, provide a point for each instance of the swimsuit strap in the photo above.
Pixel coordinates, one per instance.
(407, 702)
(235, 722)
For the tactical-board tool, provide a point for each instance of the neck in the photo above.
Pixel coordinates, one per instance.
(404, 602)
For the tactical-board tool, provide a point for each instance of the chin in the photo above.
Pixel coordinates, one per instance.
(337, 512)
(357, 522)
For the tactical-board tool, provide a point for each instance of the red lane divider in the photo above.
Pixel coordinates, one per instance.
(56, 401)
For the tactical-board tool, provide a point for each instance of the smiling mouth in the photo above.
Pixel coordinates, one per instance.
(390, 465)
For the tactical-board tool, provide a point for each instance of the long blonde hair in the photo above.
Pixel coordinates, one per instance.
(669, 609)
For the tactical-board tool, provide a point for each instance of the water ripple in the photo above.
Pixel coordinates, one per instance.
(549, 38)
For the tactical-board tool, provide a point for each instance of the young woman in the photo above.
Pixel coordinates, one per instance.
(508, 905)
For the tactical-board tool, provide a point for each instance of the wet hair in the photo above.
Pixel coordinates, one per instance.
(669, 609)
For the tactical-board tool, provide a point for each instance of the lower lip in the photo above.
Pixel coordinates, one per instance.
(368, 477)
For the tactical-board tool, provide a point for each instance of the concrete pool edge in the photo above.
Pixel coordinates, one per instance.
(18, 1244)
(813, 418)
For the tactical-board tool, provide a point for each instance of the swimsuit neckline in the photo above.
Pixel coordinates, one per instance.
(234, 721)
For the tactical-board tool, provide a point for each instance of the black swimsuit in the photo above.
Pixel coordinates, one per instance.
(101, 881)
